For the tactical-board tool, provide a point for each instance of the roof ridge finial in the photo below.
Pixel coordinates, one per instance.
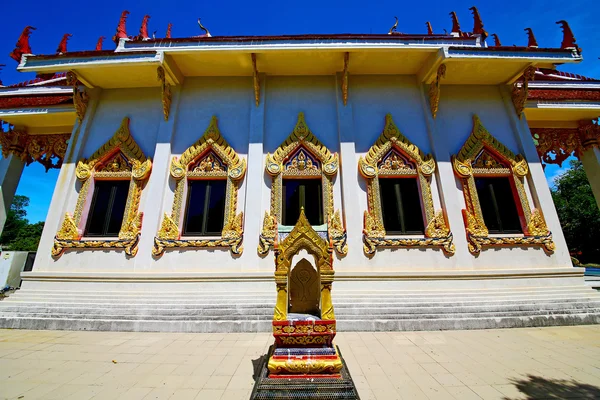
(393, 28)
(455, 23)
(22, 45)
(168, 35)
(206, 32)
(429, 28)
(99, 43)
(496, 40)
(144, 29)
(478, 24)
(568, 41)
(62, 46)
(531, 38)
(121, 28)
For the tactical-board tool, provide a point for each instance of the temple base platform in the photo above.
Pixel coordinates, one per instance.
(304, 385)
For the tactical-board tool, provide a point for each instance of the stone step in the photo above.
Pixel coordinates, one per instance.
(349, 309)
(348, 325)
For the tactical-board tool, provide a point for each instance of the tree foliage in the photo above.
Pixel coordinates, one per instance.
(18, 233)
(578, 213)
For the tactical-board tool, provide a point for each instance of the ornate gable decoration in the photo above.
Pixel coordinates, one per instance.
(483, 155)
(211, 157)
(301, 155)
(120, 158)
(394, 155)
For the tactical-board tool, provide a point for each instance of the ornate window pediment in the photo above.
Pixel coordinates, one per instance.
(302, 155)
(393, 155)
(211, 157)
(118, 159)
(481, 156)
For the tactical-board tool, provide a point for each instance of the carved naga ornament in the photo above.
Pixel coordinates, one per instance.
(121, 28)
(22, 46)
(62, 46)
(80, 98)
(48, 150)
(555, 145)
(483, 155)
(211, 157)
(120, 158)
(301, 155)
(434, 90)
(393, 155)
(520, 91)
(166, 94)
(478, 24)
(568, 41)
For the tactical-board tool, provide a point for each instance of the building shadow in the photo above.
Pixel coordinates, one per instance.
(537, 387)
(257, 365)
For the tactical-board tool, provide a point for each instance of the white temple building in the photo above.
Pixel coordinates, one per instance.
(185, 161)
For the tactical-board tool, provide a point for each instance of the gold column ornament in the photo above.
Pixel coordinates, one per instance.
(483, 155)
(393, 155)
(120, 158)
(255, 80)
(211, 157)
(165, 92)
(345, 78)
(434, 90)
(48, 150)
(80, 98)
(520, 92)
(301, 155)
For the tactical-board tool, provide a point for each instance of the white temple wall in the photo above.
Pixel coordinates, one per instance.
(244, 125)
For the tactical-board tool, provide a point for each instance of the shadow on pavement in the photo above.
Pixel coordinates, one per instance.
(537, 387)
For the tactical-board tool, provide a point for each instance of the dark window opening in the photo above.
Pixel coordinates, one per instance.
(298, 193)
(401, 206)
(107, 208)
(498, 205)
(205, 209)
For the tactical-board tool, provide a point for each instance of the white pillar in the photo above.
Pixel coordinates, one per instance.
(157, 183)
(451, 199)
(536, 179)
(255, 185)
(591, 164)
(11, 169)
(65, 184)
(351, 210)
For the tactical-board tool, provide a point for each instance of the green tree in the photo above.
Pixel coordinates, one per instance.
(18, 233)
(578, 213)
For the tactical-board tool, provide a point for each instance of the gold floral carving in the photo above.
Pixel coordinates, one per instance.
(48, 150)
(303, 236)
(166, 94)
(80, 98)
(555, 145)
(119, 158)
(210, 157)
(483, 155)
(345, 78)
(337, 233)
(300, 155)
(256, 80)
(394, 155)
(434, 90)
(520, 90)
(304, 366)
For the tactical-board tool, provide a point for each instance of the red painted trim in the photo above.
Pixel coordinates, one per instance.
(304, 377)
(34, 101)
(564, 94)
(295, 323)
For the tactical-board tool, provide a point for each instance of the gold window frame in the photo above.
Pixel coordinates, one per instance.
(137, 170)
(286, 162)
(169, 234)
(469, 163)
(437, 233)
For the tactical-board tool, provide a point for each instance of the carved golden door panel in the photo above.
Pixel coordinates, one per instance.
(304, 289)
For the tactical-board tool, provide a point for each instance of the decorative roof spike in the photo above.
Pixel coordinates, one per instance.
(478, 23)
(144, 29)
(22, 46)
(496, 40)
(168, 35)
(121, 29)
(429, 28)
(455, 23)
(568, 38)
(531, 38)
(206, 32)
(62, 46)
(393, 28)
(99, 43)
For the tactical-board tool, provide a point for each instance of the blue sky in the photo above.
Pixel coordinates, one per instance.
(89, 20)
